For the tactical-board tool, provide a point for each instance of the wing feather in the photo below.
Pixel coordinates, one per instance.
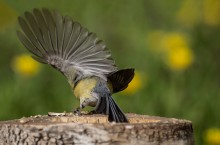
(44, 29)
(51, 28)
(37, 32)
(68, 25)
(26, 42)
(65, 44)
(59, 32)
(75, 38)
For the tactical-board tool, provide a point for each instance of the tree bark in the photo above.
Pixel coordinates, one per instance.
(66, 128)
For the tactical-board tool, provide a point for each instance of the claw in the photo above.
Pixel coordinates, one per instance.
(77, 112)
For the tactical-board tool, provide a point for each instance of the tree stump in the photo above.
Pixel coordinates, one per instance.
(66, 128)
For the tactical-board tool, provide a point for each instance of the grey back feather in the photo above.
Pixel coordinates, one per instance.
(64, 44)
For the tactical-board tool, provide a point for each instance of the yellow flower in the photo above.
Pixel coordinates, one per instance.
(174, 48)
(189, 13)
(25, 65)
(178, 55)
(212, 136)
(135, 84)
(179, 58)
(7, 14)
(211, 10)
(173, 41)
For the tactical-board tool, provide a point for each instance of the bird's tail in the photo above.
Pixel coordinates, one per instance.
(109, 107)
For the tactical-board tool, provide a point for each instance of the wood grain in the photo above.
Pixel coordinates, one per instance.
(66, 128)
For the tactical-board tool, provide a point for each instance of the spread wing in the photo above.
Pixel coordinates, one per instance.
(64, 44)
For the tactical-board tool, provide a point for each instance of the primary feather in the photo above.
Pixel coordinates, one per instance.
(65, 45)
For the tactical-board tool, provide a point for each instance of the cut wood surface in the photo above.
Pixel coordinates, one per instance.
(67, 128)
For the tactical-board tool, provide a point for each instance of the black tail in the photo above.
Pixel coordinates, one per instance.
(120, 79)
(108, 106)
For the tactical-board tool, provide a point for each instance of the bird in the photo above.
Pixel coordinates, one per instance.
(79, 55)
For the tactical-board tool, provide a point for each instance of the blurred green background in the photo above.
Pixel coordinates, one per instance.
(173, 45)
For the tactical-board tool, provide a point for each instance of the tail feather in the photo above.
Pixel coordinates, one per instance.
(113, 115)
(108, 106)
(116, 112)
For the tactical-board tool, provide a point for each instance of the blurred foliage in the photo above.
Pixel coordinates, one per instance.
(173, 45)
(6, 21)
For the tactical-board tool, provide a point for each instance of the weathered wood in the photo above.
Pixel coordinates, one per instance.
(95, 129)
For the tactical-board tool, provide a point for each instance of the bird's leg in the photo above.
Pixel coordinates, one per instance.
(77, 111)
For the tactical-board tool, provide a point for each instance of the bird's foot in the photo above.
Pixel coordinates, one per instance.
(77, 112)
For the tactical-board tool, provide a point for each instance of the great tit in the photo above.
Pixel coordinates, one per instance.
(79, 55)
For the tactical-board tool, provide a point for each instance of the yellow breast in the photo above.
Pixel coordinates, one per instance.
(84, 87)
